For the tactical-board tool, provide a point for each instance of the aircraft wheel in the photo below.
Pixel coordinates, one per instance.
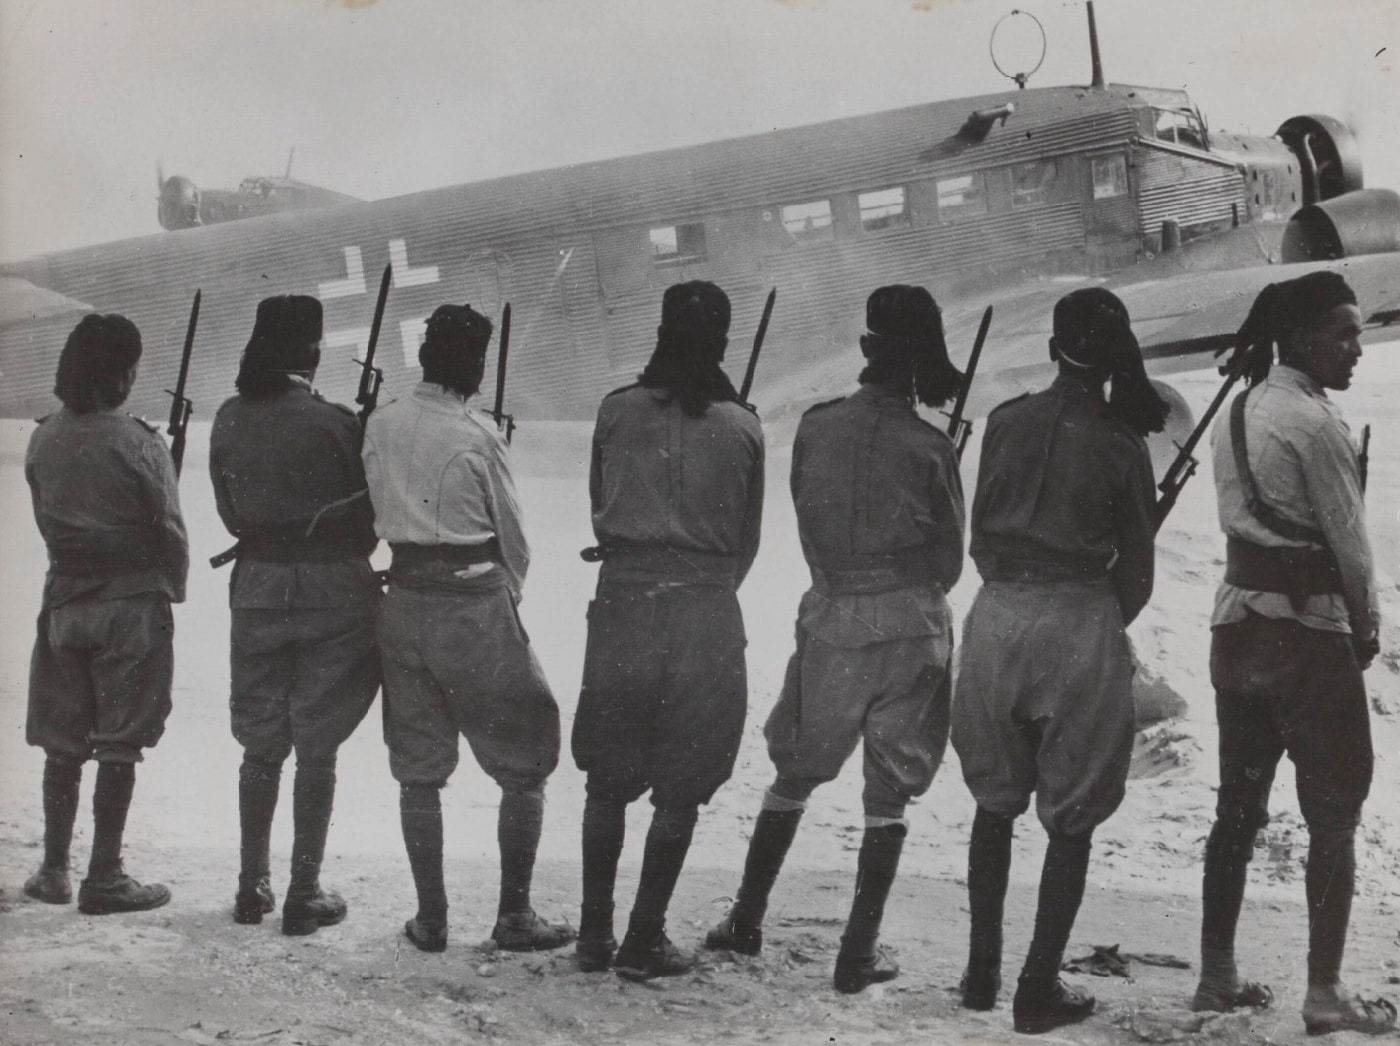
(1180, 421)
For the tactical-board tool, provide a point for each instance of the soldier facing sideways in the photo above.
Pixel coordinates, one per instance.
(1294, 626)
(676, 486)
(880, 515)
(304, 667)
(106, 501)
(456, 658)
(1062, 535)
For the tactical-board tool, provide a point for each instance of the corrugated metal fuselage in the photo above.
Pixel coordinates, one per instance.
(1073, 181)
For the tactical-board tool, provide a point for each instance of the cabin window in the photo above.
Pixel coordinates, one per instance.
(961, 196)
(1180, 127)
(678, 244)
(883, 209)
(1110, 177)
(1031, 182)
(808, 222)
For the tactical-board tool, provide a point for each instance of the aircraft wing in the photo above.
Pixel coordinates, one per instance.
(24, 302)
(1182, 319)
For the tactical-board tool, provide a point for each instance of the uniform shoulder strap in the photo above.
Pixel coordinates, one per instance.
(1256, 506)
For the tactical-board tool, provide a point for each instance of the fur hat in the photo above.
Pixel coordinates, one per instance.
(1282, 308)
(697, 307)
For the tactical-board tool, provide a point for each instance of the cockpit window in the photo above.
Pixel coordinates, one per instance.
(883, 209)
(1031, 182)
(677, 244)
(1180, 127)
(808, 222)
(965, 194)
(1110, 177)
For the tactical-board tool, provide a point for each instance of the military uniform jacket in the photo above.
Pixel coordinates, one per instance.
(880, 514)
(1065, 490)
(439, 475)
(660, 477)
(107, 503)
(276, 463)
(1304, 466)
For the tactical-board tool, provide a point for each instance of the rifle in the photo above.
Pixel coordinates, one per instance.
(372, 377)
(1363, 459)
(1185, 464)
(180, 407)
(504, 421)
(758, 344)
(959, 428)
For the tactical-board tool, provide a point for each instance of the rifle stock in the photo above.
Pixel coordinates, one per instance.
(180, 407)
(504, 421)
(372, 377)
(749, 371)
(959, 428)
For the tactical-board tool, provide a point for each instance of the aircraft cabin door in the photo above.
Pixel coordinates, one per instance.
(1110, 211)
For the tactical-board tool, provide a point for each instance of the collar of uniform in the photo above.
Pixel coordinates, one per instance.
(302, 380)
(1292, 378)
(440, 396)
(883, 395)
(1073, 385)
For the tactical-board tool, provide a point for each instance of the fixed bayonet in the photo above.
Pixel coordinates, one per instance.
(758, 345)
(505, 422)
(959, 428)
(372, 377)
(180, 406)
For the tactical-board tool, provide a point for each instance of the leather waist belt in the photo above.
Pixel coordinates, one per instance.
(420, 559)
(629, 562)
(1295, 572)
(1007, 566)
(872, 574)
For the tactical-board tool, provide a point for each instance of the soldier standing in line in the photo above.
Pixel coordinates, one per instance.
(1296, 622)
(304, 667)
(677, 494)
(880, 515)
(1062, 535)
(456, 658)
(106, 500)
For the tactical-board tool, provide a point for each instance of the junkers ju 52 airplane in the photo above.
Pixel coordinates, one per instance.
(183, 205)
(1007, 199)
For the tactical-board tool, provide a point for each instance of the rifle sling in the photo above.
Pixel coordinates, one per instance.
(1256, 506)
(1295, 572)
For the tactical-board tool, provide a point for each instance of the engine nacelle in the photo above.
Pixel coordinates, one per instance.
(1366, 221)
(1328, 156)
(178, 207)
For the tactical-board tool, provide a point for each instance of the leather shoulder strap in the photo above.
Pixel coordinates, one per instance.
(1254, 504)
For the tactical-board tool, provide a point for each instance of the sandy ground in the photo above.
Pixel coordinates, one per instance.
(187, 973)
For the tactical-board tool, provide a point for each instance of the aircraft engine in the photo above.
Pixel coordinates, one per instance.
(1328, 155)
(179, 203)
(1366, 221)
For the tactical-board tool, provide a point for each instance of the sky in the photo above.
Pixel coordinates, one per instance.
(385, 97)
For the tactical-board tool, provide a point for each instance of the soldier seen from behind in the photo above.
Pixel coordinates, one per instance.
(304, 667)
(676, 486)
(106, 501)
(1296, 622)
(880, 516)
(456, 657)
(1062, 535)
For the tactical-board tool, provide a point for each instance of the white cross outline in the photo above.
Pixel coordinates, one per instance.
(354, 281)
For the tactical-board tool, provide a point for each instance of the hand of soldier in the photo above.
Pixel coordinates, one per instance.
(1366, 650)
